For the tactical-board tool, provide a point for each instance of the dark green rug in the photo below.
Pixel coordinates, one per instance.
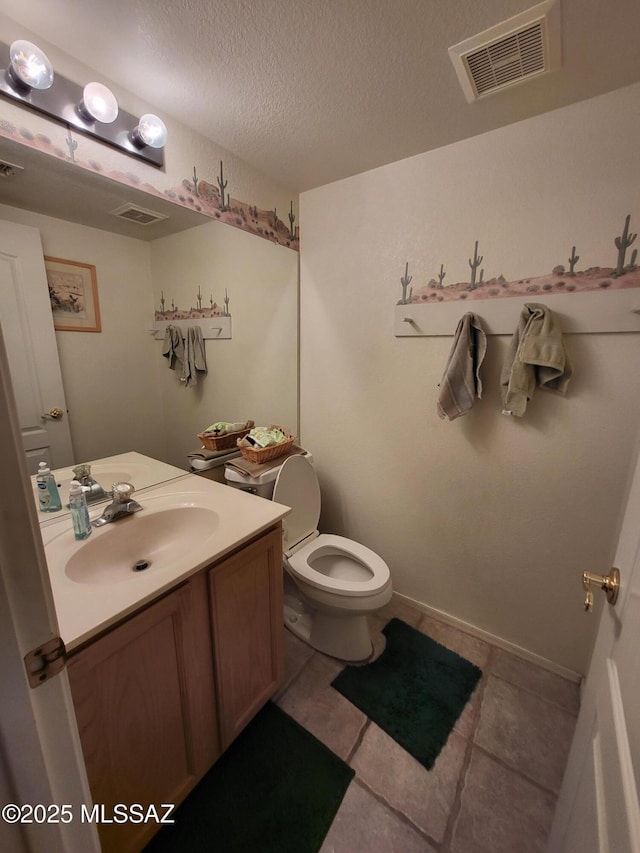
(275, 790)
(415, 691)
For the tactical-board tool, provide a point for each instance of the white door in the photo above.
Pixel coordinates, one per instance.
(598, 809)
(41, 758)
(25, 314)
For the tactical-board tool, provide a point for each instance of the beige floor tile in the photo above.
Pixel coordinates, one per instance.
(296, 655)
(364, 825)
(500, 811)
(424, 797)
(527, 733)
(397, 608)
(474, 650)
(534, 678)
(322, 710)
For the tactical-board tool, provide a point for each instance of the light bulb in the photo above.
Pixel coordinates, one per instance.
(99, 103)
(30, 66)
(150, 131)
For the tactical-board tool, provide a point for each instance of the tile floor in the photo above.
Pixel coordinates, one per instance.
(494, 786)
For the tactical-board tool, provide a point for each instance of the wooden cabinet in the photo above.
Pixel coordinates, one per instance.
(246, 615)
(162, 694)
(146, 710)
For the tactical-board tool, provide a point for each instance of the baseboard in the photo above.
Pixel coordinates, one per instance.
(441, 616)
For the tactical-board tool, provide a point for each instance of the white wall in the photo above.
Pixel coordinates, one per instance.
(253, 375)
(488, 519)
(110, 378)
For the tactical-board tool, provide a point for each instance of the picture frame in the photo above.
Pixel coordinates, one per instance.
(73, 292)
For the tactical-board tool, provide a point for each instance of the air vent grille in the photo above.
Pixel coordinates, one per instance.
(507, 60)
(512, 52)
(137, 214)
(9, 170)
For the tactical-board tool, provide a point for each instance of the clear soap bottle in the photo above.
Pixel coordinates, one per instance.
(79, 512)
(48, 495)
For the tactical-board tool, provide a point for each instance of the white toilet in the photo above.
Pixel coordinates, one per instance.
(331, 583)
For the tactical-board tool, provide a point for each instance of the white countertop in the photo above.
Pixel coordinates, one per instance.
(86, 608)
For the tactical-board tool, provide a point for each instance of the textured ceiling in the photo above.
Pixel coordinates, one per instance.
(311, 91)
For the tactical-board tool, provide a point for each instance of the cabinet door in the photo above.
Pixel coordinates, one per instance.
(145, 705)
(247, 619)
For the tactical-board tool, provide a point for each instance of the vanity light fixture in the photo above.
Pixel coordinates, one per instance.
(151, 131)
(29, 67)
(91, 109)
(98, 103)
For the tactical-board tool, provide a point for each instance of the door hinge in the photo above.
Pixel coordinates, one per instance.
(45, 661)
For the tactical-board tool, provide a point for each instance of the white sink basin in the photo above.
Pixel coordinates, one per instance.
(140, 543)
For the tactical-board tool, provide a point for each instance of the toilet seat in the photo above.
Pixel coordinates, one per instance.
(327, 545)
(297, 486)
(342, 565)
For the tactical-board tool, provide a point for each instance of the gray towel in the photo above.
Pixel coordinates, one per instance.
(173, 346)
(461, 382)
(536, 358)
(194, 360)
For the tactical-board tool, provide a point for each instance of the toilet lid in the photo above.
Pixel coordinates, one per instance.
(297, 487)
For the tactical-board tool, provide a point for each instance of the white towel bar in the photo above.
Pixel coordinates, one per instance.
(579, 313)
(213, 329)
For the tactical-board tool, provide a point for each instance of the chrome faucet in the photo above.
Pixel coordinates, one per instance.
(93, 491)
(121, 505)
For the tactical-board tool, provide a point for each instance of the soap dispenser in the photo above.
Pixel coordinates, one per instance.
(48, 495)
(79, 512)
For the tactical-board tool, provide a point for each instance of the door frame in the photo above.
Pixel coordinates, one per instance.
(40, 755)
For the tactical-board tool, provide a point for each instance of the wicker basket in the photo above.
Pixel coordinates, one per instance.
(266, 454)
(227, 441)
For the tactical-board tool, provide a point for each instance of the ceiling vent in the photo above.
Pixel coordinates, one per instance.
(9, 170)
(510, 53)
(140, 215)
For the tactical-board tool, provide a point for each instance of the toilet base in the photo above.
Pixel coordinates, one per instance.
(344, 637)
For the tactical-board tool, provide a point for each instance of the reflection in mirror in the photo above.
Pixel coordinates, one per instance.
(135, 468)
(119, 394)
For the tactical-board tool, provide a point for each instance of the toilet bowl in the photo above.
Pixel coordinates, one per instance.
(333, 582)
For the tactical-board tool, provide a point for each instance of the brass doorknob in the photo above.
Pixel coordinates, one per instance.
(610, 584)
(53, 415)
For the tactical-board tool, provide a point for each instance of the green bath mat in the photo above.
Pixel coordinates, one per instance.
(415, 691)
(275, 790)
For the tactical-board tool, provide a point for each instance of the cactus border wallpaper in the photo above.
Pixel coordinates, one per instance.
(176, 313)
(211, 200)
(566, 279)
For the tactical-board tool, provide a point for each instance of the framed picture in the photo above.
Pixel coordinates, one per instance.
(73, 291)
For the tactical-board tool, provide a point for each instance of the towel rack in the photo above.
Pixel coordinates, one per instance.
(590, 312)
(213, 328)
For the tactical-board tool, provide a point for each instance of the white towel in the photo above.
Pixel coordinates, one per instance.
(461, 382)
(536, 358)
(194, 360)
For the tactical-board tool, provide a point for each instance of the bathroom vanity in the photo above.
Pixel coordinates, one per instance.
(168, 664)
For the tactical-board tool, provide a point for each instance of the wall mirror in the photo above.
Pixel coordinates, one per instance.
(120, 394)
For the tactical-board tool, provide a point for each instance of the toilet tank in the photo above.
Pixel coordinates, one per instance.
(212, 469)
(262, 485)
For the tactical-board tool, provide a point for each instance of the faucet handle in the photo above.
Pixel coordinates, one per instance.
(122, 492)
(82, 471)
